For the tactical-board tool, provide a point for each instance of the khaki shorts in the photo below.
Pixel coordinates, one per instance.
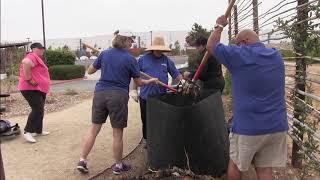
(268, 150)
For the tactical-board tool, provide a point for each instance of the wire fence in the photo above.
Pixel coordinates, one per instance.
(269, 24)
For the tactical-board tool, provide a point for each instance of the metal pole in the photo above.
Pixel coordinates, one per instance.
(28, 40)
(43, 26)
(139, 42)
(255, 16)
(151, 37)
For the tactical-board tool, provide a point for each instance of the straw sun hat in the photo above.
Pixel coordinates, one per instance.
(158, 45)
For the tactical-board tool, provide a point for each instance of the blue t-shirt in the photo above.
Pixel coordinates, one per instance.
(117, 68)
(157, 68)
(258, 88)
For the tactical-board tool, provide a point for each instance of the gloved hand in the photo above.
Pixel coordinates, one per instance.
(134, 95)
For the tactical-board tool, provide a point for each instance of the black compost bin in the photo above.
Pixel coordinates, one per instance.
(179, 125)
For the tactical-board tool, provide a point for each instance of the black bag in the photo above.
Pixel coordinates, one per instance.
(178, 125)
(7, 130)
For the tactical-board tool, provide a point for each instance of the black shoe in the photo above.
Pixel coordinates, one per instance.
(82, 167)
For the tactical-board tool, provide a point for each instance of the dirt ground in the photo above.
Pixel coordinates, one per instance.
(55, 156)
(138, 160)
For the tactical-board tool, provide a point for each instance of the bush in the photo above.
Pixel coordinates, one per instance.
(194, 60)
(65, 72)
(287, 53)
(60, 57)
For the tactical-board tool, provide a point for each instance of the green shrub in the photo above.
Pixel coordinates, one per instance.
(287, 53)
(60, 57)
(194, 60)
(65, 72)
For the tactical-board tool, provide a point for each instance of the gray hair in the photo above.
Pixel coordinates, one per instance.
(119, 42)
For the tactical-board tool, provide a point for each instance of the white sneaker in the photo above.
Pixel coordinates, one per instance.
(28, 136)
(44, 133)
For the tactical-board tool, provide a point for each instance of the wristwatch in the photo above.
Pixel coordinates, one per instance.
(218, 25)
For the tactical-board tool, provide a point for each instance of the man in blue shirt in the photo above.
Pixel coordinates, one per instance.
(157, 65)
(258, 133)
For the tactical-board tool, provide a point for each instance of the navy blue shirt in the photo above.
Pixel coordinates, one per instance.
(157, 68)
(258, 88)
(117, 68)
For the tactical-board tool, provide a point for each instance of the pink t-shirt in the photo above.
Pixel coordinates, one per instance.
(39, 73)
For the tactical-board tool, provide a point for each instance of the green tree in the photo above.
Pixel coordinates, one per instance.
(196, 31)
(66, 47)
(176, 49)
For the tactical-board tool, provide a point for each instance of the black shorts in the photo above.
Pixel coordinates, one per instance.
(113, 103)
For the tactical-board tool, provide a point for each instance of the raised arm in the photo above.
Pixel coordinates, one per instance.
(215, 36)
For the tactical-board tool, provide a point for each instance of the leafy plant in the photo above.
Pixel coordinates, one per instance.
(305, 43)
(196, 31)
(60, 57)
(65, 72)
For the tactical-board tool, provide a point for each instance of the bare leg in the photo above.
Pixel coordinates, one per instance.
(117, 144)
(233, 171)
(264, 173)
(90, 139)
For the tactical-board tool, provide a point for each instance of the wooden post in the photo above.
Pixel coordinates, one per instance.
(230, 28)
(302, 14)
(139, 42)
(2, 175)
(255, 16)
(235, 19)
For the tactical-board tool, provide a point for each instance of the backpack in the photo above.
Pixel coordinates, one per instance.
(7, 130)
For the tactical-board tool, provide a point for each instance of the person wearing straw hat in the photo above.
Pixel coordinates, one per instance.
(111, 97)
(156, 64)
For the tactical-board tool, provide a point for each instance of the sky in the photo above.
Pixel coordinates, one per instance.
(21, 19)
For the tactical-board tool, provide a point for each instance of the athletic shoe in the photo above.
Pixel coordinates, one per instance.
(44, 133)
(82, 167)
(28, 136)
(118, 170)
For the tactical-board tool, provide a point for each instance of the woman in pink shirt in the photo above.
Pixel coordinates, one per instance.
(34, 84)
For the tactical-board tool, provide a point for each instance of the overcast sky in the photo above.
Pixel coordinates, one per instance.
(80, 18)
